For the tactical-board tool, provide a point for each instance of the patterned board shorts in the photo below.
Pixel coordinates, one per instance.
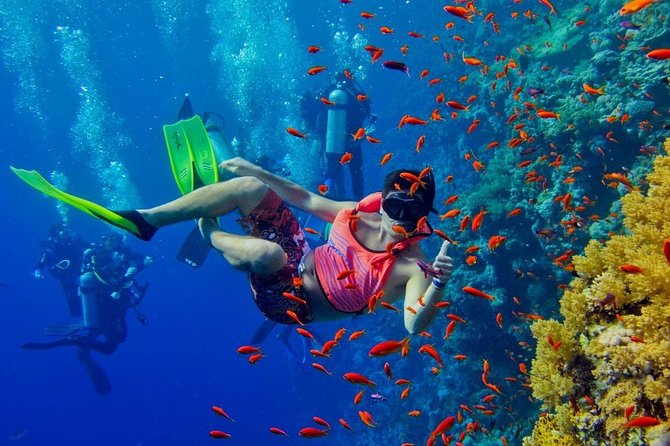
(272, 220)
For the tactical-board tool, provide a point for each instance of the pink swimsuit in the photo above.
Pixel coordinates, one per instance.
(344, 251)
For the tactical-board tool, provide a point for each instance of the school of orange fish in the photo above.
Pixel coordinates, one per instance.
(466, 417)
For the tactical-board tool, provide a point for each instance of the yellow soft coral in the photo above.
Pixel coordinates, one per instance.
(616, 333)
(546, 433)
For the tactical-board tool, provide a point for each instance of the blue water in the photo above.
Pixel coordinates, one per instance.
(86, 88)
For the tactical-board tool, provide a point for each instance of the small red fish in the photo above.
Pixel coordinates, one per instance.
(357, 378)
(276, 430)
(312, 432)
(219, 434)
(221, 412)
(642, 422)
(295, 132)
(475, 292)
(316, 70)
(630, 269)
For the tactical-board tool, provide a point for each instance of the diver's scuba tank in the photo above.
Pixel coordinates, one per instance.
(223, 149)
(90, 300)
(336, 130)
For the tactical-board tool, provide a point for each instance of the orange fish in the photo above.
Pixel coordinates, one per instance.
(457, 105)
(219, 434)
(411, 120)
(220, 411)
(305, 333)
(419, 143)
(313, 49)
(344, 274)
(345, 425)
(449, 329)
(477, 293)
(630, 269)
(357, 378)
(346, 158)
(367, 419)
(312, 432)
(635, 6)
(545, 114)
(248, 349)
(430, 350)
(316, 70)
(276, 430)
(477, 219)
(660, 54)
(294, 316)
(360, 133)
(295, 132)
(387, 347)
(323, 189)
(459, 11)
(594, 91)
(642, 422)
(294, 298)
(385, 159)
(356, 334)
(499, 319)
(320, 367)
(495, 241)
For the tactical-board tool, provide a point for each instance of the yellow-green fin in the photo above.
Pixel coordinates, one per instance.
(37, 181)
(191, 154)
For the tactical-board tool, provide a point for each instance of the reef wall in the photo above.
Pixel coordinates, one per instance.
(608, 362)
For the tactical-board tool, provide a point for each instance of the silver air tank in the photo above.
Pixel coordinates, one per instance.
(90, 301)
(336, 130)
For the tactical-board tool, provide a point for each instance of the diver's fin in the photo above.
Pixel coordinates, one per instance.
(194, 165)
(130, 221)
(96, 374)
(191, 154)
(62, 329)
(202, 152)
(186, 110)
(49, 345)
(181, 159)
(194, 250)
(263, 331)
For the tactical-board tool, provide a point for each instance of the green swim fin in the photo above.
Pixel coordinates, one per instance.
(194, 165)
(34, 179)
(191, 154)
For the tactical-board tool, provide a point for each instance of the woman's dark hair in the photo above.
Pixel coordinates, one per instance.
(427, 193)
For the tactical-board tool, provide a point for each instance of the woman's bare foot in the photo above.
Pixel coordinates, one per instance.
(207, 227)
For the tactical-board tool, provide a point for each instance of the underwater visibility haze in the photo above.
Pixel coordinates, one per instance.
(546, 125)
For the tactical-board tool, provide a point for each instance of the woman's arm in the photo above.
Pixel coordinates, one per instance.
(429, 290)
(294, 194)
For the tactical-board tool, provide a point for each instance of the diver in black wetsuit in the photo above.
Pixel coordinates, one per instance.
(335, 124)
(61, 257)
(107, 289)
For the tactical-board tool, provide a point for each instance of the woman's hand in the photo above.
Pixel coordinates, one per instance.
(240, 167)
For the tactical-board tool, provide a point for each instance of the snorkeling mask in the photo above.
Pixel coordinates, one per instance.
(401, 206)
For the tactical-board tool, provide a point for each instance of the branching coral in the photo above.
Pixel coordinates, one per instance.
(615, 340)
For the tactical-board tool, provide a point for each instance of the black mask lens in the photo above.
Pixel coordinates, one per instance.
(402, 207)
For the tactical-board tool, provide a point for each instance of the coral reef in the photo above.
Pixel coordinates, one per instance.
(612, 352)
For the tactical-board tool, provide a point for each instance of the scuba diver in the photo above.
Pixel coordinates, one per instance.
(107, 289)
(335, 124)
(61, 257)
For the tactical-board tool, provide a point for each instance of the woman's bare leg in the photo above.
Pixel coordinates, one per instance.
(215, 200)
(246, 253)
